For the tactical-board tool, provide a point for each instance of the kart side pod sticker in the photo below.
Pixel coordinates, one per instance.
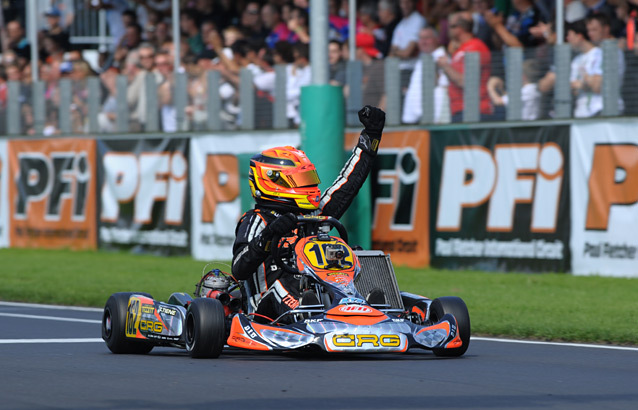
(339, 342)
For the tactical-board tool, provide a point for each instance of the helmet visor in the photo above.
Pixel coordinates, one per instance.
(299, 179)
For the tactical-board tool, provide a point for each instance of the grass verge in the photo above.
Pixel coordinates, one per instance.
(538, 306)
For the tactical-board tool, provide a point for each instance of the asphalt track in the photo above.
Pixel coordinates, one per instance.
(54, 358)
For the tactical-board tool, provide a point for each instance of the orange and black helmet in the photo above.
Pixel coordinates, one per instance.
(284, 177)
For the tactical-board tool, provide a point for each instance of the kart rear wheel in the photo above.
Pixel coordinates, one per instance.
(114, 326)
(205, 328)
(457, 308)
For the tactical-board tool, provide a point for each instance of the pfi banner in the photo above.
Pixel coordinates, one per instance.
(500, 199)
(144, 198)
(218, 176)
(400, 186)
(4, 195)
(52, 191)
(604, 190)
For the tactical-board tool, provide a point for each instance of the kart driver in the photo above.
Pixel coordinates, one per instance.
(284, 184)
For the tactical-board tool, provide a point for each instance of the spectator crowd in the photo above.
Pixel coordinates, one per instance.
(230, 35)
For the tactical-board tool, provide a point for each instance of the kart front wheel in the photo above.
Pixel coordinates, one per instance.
(457, 308)
(114, 326)
(205, 328)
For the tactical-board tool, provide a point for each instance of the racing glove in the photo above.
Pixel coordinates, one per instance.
(373, 120)
(282, 225)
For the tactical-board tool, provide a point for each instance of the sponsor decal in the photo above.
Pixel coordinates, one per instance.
(355, 309)
(148, 309)
(53, 193)
(352, 301)
(604, 203)
(400, 197)
(167, 311)
(144, 194)
(250, 332)
(501, 202)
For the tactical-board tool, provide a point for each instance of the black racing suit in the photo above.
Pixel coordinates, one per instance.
(272, 292)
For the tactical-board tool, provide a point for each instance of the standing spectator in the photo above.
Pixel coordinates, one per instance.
(152, 11)
(367, 15)
(461, 32)
(136, 93)
(215, 11)
(373, 81)
(337, 65)
(114, 10)
(406, 37)
(586, 72)
(298, 24)
(604, 7)
(271, 17)
(515, 31)
(65, 7)
(17, 41)
(530, 96)
(598, 30)
(389, 17)
(413, 103)
(298, 76)
(250, 23)
(337, 24)
(189, 26)
(54, 29)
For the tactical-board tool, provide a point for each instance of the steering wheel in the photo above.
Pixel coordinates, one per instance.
(312, 223)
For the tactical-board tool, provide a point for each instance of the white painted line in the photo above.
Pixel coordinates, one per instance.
(23, 341)
(536, 342)
(62, 319)
(39, 306)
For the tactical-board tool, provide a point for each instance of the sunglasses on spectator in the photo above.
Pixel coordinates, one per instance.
(252, 11)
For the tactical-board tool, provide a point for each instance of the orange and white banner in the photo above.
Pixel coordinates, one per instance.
(53, 193)
(4, 195)
(219, 169)
(604, 199)
(400, 198)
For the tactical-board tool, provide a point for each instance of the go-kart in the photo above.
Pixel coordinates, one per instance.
(331, 315)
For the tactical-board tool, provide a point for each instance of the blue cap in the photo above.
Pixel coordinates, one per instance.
(66, 67)
(53, 12)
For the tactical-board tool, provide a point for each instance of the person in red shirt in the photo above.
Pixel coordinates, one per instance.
(460, 31)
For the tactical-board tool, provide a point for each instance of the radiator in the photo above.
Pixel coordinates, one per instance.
(377, 272)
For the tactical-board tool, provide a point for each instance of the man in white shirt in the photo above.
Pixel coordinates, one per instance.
(598, 30)
(413, 106)
(586, 74)
(406, 35)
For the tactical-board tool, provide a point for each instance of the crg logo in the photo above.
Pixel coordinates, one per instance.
(57, 178)
(613, 182)
(397, 184)
(513, 174)
(146, 179)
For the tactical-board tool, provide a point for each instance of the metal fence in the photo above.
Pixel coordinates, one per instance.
(207, 102)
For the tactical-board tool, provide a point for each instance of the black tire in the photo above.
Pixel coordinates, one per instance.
(114, 326)
(457, 308)
(205, 328)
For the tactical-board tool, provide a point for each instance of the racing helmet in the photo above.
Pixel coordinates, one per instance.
(284, 177)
